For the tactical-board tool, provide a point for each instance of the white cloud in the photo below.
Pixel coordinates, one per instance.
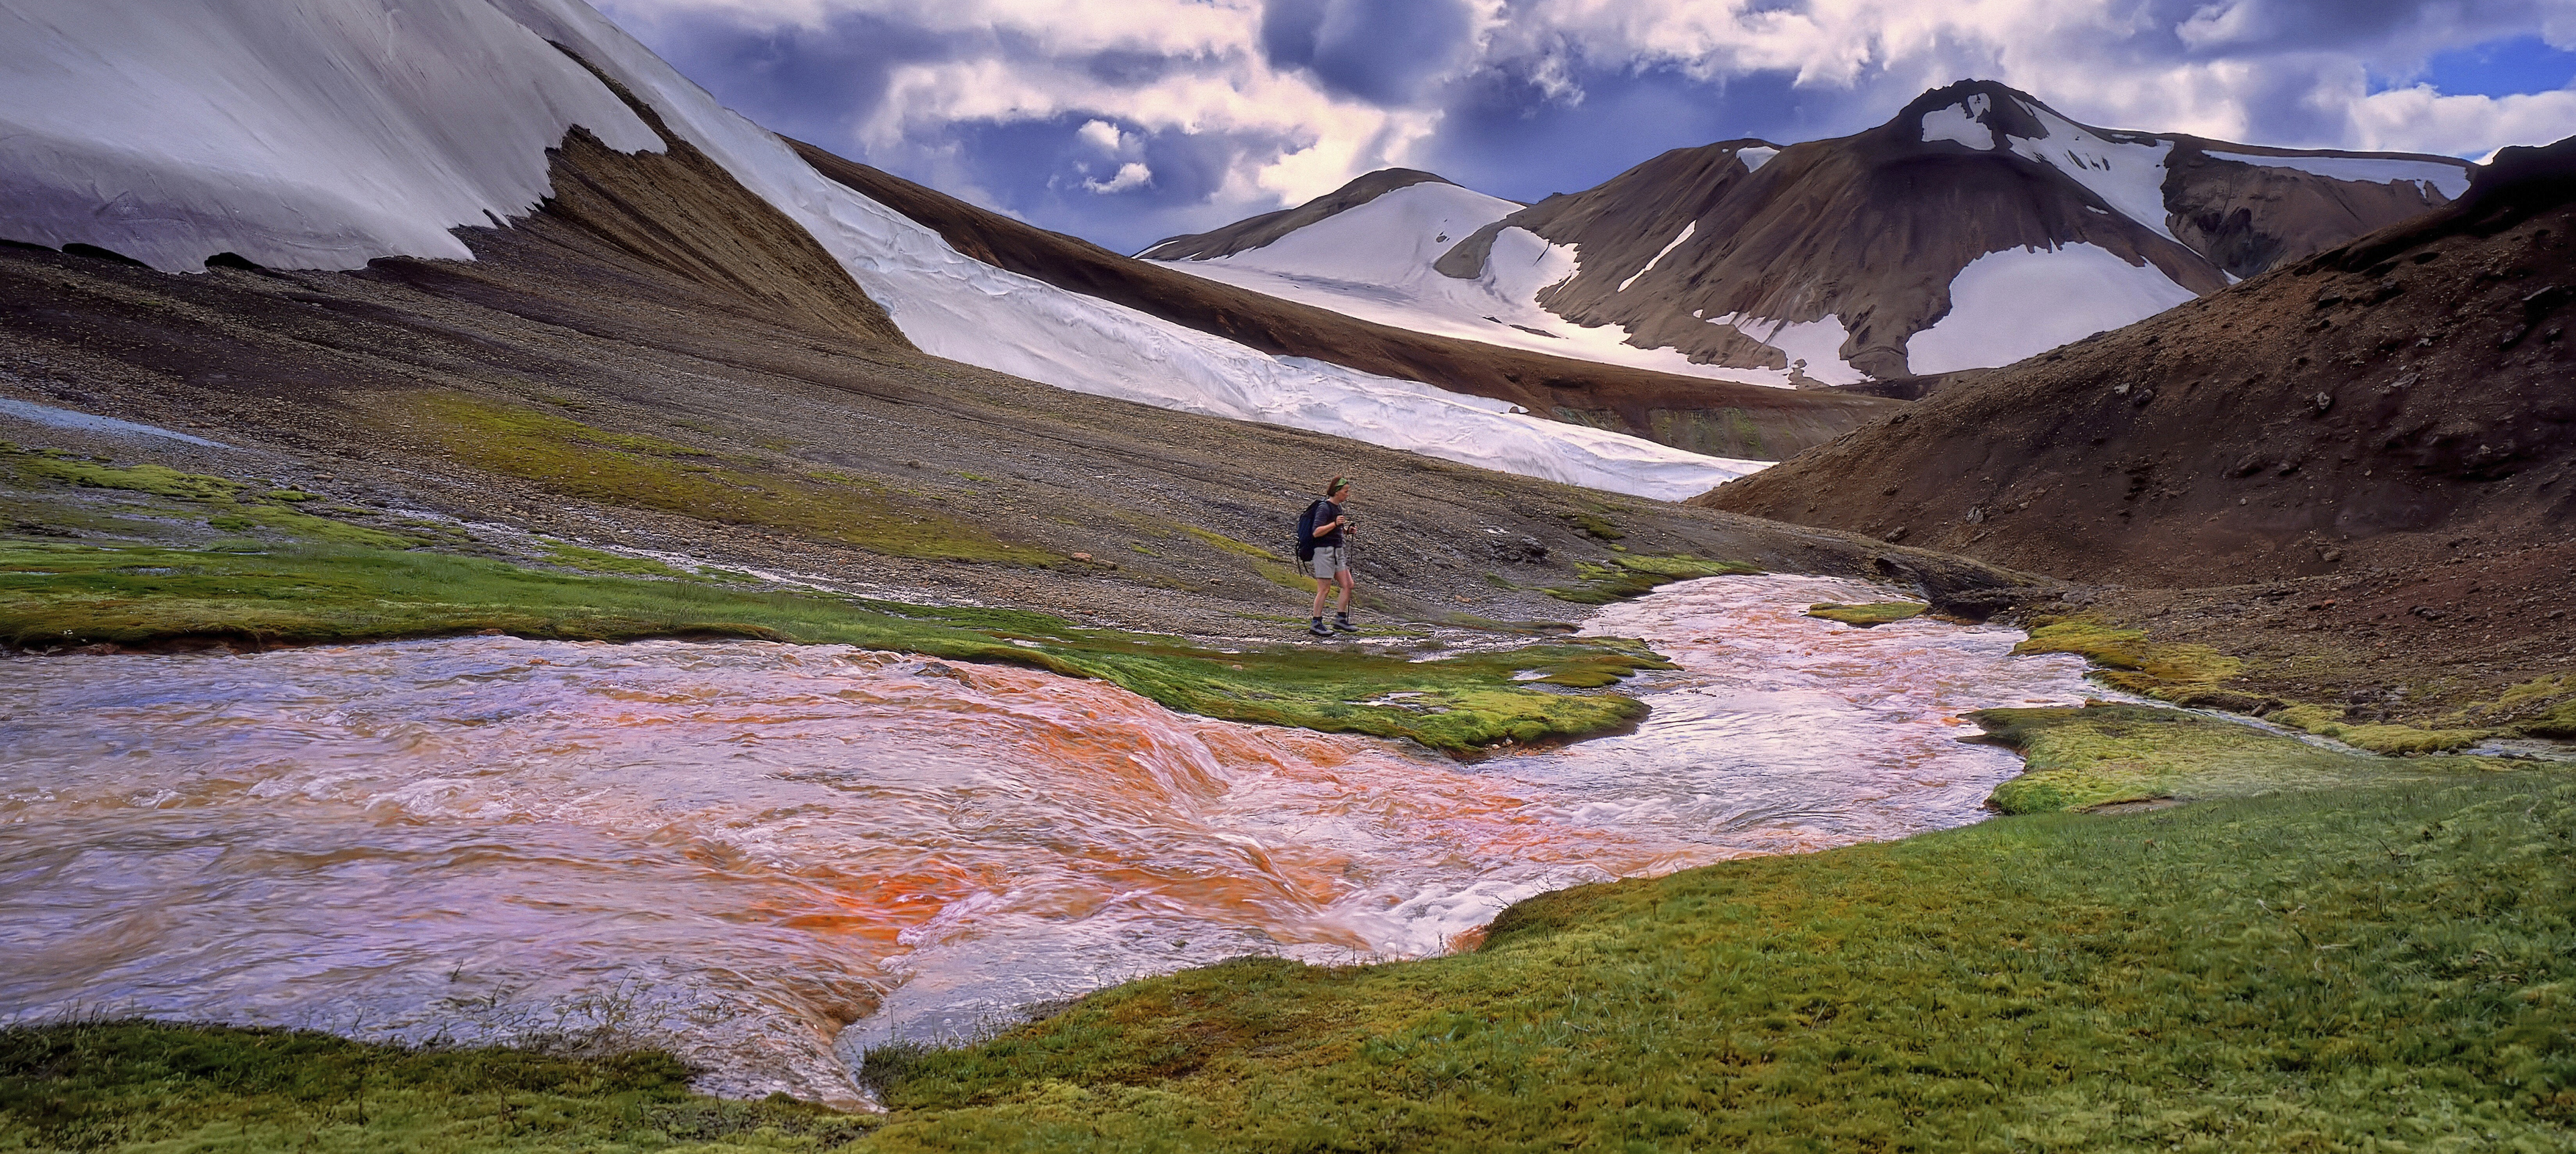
(1130, 175)
(1100, 134)
(2419, 119)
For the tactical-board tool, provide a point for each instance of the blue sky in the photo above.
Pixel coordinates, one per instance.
(1125, 121)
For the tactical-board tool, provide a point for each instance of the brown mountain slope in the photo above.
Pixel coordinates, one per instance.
(1872, 229)
(2379, 405)
(1717, 417)
(658, 359)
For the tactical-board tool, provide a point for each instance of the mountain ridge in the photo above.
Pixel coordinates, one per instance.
(1749, 257)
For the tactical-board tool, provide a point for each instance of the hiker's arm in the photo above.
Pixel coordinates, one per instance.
(1329, 526)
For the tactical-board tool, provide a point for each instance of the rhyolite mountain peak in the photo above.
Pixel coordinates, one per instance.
(1976, 226)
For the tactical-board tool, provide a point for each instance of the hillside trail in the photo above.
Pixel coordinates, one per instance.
(768, 857)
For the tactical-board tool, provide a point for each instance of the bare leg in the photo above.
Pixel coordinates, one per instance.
(1321, 587)
(1342, 578)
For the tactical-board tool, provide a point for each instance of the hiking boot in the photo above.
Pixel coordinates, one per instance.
(1343, 623)
(1316, 629)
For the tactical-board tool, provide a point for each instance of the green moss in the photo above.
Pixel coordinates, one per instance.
(2363, 968)
(576, 460)
(2559, 723)
(2196, 674)
(2540, 707)
(1867, 615)
(227, 506)
(1230, 545)
(1594, 525)
(56, 594)
(2101, 754)
(2130, 661)
(2328, 721)
(1636, 574)
(141, 1085)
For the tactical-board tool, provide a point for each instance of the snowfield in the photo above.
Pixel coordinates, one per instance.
(299, 135)
(1374, 262)
(324, 133)
(2011, 304)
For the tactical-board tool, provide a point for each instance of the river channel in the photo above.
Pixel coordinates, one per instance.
(768, 857)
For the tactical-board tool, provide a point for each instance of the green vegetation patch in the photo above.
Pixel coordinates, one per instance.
(576, 460)
(2400, 740)
(2128, 660)
(1230, 545)
(1868, 614)
(145, 1086)
(2378, 967)
(2195, 675)
(59, 594)
(2106, 754)
(223, 505)
(1637, 574)
(1592, 524)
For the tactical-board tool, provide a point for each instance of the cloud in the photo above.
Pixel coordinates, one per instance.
(1130, 175)
(1102, 135)
(1382, 53)
(1132, 121)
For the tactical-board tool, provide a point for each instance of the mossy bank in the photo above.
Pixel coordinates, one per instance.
(2198, 675)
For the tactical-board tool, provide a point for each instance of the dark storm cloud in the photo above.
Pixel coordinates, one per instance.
(1375, 51)
(1500, 133)
(807, 82)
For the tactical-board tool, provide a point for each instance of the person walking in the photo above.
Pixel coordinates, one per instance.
(1324, 532)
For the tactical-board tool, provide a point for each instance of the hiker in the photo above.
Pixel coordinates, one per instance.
(1321, 544)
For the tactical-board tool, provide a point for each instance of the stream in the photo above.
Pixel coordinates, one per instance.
(768, 857)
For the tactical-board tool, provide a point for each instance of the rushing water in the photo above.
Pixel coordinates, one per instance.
(739, 849)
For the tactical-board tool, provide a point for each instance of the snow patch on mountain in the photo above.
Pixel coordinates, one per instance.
(2011, 304)
(317, 135)
(2130, 177)
(1755, 156)
(2449, 180)
(1963, 123)
(1375, 262)
(1667, 250)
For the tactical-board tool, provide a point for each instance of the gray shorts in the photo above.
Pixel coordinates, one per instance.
(1329, 560)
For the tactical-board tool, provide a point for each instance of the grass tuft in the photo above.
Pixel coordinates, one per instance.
(1867, 615)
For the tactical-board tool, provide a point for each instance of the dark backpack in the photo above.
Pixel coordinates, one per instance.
(1306, 531)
